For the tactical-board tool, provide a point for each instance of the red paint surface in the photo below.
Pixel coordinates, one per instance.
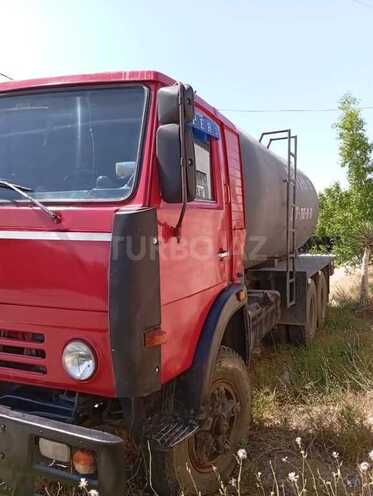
(60, 288)
(57, 274)
(60, 326)
(236, 193)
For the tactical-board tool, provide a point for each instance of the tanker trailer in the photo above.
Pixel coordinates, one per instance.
(265, 186)
(281, 209)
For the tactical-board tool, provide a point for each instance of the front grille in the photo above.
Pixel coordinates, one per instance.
(22, 351)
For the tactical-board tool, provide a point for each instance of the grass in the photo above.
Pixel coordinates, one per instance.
(322, 395)
(338, 361)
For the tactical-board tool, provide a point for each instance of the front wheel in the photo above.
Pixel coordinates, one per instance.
(197, 462)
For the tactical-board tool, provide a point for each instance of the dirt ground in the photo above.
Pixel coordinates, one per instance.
(344, 281)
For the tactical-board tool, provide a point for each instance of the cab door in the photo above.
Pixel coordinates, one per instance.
(195, 269)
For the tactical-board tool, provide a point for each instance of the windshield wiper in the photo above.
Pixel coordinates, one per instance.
(21, 190)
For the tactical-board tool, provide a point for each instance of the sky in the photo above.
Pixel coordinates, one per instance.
(237, 54)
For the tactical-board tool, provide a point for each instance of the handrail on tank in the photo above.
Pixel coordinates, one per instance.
(291, 187)
(294, 136)
(281, 131)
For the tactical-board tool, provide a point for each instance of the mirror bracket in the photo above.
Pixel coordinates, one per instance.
(184, 192)
(175, 110)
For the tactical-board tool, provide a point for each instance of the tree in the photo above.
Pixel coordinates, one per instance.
(346, 215)
(365, 240)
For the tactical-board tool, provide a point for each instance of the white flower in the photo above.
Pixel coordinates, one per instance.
(298, 440)
(335, 454)
(370, 455)
(258, 475)
(364, 466)
(93, 492)
(285, 459)
(233, 482)
(83, 483)
(293, 477)
(242, 454)
(337, 474)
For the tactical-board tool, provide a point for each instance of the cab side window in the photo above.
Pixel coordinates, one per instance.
(202, 148)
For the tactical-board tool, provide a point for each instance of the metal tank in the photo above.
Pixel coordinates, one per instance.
(265, 188)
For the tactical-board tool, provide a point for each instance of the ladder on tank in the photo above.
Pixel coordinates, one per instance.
(291, 207)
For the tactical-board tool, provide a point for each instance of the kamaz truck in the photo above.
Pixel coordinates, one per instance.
(147, 246)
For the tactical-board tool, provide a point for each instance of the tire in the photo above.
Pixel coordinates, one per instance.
(322, 299)
(304, 335)
(170, 467)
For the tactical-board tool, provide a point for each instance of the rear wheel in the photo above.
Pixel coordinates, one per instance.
(304, 335)
(322, 299)
(227, 417)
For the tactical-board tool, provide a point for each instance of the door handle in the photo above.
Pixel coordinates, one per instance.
(223, 254)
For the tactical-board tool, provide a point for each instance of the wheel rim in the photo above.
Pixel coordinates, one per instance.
(209, 445)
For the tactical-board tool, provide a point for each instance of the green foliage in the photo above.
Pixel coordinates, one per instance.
(338, 222)
(355, 149)
(346, 215)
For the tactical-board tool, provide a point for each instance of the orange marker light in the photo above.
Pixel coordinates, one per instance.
(241, 295)
(84, 462)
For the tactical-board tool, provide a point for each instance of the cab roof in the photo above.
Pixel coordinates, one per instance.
(104, 78)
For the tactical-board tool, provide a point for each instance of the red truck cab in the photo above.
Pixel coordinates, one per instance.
(54, 280)
(123, 292)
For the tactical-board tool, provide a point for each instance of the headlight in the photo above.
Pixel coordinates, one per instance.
(79, 360)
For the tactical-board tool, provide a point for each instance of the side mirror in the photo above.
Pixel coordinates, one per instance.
(168, 100)
(175, 145)
(169, 158)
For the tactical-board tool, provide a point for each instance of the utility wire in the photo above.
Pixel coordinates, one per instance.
(247, 111)
(363, 3)
(6, 77)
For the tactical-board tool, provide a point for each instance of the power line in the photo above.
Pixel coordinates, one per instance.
(247, 111)
(5, 76)
(363, 3)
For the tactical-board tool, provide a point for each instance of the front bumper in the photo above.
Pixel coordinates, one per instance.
(21, 462)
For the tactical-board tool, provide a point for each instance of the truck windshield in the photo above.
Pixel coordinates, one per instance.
(81, 144)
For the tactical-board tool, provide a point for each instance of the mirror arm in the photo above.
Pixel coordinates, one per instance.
(177, 228)
(184, 192)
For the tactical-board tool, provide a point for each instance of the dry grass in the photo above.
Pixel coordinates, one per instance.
(322, 394)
